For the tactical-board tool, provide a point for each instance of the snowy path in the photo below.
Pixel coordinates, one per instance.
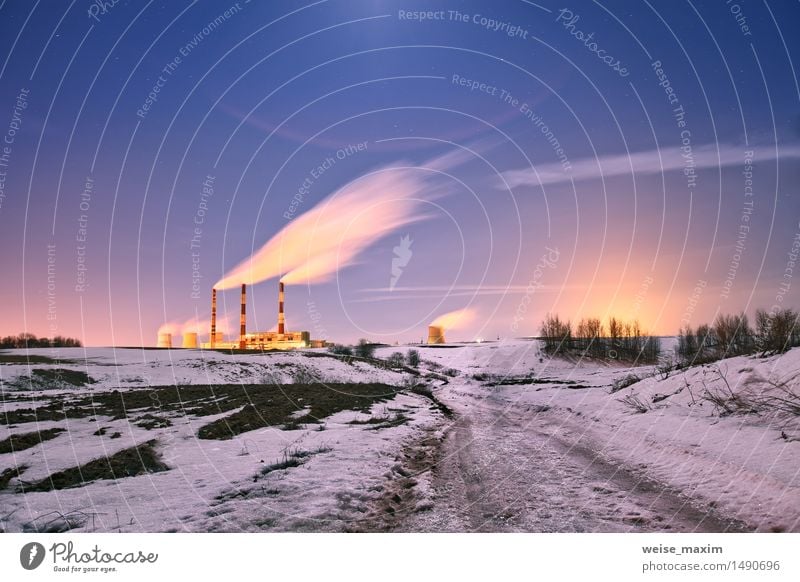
(512, 468)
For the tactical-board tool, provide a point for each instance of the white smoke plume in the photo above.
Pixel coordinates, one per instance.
(169, 327)
(313, 247)
(458, 319)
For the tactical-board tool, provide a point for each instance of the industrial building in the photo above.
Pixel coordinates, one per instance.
(435, 334)
(260, 340)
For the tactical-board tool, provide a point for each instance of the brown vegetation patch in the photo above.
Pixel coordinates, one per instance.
(130, 462)
(20, 442)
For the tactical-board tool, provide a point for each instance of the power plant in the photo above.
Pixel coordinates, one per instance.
(280, 339)
(260, 340)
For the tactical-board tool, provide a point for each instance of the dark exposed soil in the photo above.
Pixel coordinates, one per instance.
(150, 421)
(20, 442)
(126, 463)
(261, 405)
(50, 379)
(276, 407)
(399, 497)
(60, 376)
(7, 475)
(21, 358)
(509, 381)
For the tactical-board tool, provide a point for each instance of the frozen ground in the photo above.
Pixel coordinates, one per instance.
(512, 441)
(540, 444)
(316, 476)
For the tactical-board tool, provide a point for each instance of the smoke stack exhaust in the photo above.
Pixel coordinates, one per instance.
(281, 319)
(213, 337)
(243, 319)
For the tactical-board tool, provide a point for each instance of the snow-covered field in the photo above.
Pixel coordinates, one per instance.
(211, 484)
(514, 441)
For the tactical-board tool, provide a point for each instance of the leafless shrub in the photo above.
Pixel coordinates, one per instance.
(57, 522)
(303, 375)
(396, 360)
(724, 399)
(624, 382)
(4, 519)
(635, 403)
(777, 330)
(416, 386)
(774, 394)
(411, 382)
(688, 388)
(665, 369)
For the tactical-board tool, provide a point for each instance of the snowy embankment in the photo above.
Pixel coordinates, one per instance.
(719, 433)
(724, 435)
(183, 440)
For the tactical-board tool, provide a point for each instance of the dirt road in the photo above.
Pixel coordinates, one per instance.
(520, 469)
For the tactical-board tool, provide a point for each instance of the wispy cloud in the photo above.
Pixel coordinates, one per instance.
(398, 293)
(653, 161)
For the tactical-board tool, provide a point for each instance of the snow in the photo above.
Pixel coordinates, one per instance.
(739, 464)
(533, 448)
(120, 368)
(211, 484)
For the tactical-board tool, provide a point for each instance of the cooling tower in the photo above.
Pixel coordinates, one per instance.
(281, 319)
(190, 339)
(213, 336)
(243, 319)
(435, 334)
(164, 340)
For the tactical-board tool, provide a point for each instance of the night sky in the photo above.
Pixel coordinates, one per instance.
(636, 159)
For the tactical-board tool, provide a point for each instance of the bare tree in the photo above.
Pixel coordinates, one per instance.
(557, 334)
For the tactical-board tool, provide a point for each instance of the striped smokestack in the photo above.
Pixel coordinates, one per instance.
(242, 319)
(213, 316)
(281, 320)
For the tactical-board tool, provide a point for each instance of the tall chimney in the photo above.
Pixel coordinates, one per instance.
(213, 317)
(242, 320)
(281, 320)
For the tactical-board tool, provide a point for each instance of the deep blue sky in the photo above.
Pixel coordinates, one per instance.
(277, 87)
